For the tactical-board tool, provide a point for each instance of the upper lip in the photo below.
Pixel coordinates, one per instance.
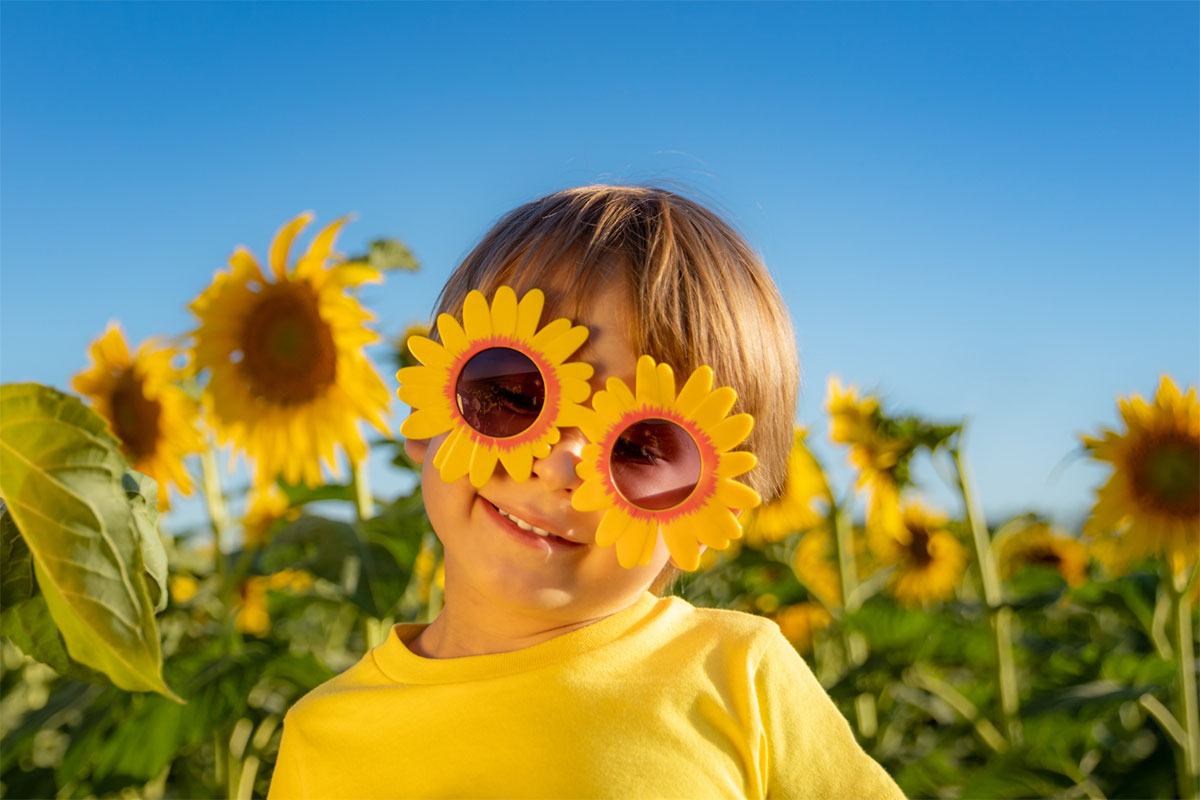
(536, 520)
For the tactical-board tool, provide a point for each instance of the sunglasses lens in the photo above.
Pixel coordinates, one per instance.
(655, 464)
(500, 392)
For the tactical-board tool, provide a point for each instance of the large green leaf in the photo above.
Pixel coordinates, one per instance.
(16, 566)
(31, 628)
(142, 493)
(61, 475)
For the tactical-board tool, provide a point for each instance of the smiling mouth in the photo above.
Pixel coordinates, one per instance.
(531, 529)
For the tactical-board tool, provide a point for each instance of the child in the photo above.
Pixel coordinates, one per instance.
(553, 671)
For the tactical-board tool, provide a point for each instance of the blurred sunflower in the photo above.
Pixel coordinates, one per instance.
(803, 504)
(290, 379)
(1040, 544)
(154, 420)
(183, 588)
(798, 622)
(873, 455)
(815, 566)
(268, 505)
(1150, 505)
(250, 607)
(929, 561)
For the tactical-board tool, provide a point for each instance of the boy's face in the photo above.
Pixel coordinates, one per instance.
(490, 562)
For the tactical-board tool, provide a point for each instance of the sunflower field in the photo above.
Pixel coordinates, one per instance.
(972, 660)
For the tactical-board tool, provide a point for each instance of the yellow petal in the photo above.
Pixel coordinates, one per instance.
(283, 242)
(529, 313)
(558, 350)
(683, 546)
(425, 423)
(429, 352)
(575, 391)
(620, 392)
(647, 382)
(729, 433)
(732, 494)
(576, 370)
(591, 496)
(477, 319)
(322, 245)
(571, 415)
(694, 390)
(420, 376)
(649, 545)
(443, 451)
(504, 312)
(611, 527)
(549, 333)
(457, 462)
(243, 262)
(454, 339)
(666, 383)
(352, 275)
(517, 462)
(419, 396)
(632, 543)
(483, 464)
(714, 407)
(736, 463)
(715, 527)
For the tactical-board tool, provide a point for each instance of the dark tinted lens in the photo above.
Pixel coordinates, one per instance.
(655, 464)
(500, 392)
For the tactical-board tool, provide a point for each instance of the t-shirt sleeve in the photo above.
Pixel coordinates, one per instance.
(810, 750)
(286, 782)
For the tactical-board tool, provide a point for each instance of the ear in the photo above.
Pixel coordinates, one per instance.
(416, 449)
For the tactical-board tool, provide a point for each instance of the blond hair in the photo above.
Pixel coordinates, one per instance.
(699, 295)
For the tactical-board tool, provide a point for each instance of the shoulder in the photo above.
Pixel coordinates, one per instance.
(726, 629)
(336, 691)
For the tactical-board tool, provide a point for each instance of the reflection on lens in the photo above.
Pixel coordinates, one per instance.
(500, 392)
(655, 464)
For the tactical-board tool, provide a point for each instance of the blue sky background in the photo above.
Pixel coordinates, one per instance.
(981, 209)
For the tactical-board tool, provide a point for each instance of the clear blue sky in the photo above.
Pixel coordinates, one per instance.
(975, 208)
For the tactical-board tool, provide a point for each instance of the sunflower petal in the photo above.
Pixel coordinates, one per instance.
(322, 245)
(457, 463)
(517, 462)
(611, 526)
(578, 370)
(529, 313)
(591, 496)
(683, 545)
(666, 383)
(729, 433)
(504, 311)
(352, 274)
(646, 382)
(732, 494)
(454, 338)
(283, 242)
(561, 348)
(632, 543)
(483, 464)
(714, 407)
(429, 352)
(419, 396)
(620, 392)
(735, 463)
(694, 390)
(716, 527)
(419, 376)
(548, 334)
(425, 423)
(443, 451)
(477, 318)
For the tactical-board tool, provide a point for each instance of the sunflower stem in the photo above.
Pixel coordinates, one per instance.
(855, 642)
(1189, 717)
(362, 490)
(999, 615)
(216, 506)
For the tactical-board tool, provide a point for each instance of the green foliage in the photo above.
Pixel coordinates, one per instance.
(62, 477)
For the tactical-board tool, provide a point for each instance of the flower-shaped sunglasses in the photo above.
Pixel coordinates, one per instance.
(657, 460)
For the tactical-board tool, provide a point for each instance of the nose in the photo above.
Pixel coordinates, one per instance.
(557, 470)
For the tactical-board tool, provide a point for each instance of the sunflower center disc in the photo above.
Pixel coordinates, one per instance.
(655, 464)
(288, 352)
(1167, 476)
(918, 545)
(135, 419)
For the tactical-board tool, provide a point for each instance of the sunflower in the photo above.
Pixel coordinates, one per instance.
(799, 622)
(290, 379)
(803, 504)
(154, 420)
(929, 561)
(1150, 505)
(1041, 544)
(432, 388)
(267, 505)
(873, 455)
(703, 516)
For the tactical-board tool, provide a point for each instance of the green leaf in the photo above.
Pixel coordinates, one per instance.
(16, 567)
(388, 254)
(142, 493)
(299, 494)
(31, 628)
(61, 474)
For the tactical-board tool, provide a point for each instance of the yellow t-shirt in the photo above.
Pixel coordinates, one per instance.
(660, 700)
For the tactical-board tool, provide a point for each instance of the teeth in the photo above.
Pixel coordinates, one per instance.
(523, 525)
